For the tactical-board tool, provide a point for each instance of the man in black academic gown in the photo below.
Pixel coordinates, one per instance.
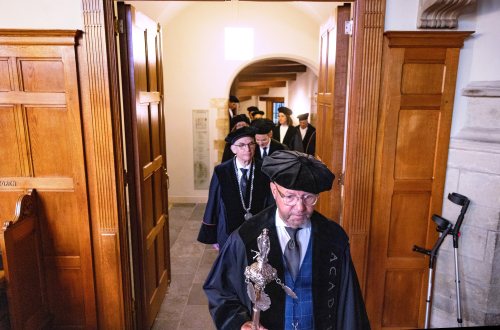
(237, 122)
(238, 190)
(324, 278)
(232, 109)
(308, 134)
(266, 145)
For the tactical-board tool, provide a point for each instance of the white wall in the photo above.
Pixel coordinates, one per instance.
(41, 14)
(196, 72)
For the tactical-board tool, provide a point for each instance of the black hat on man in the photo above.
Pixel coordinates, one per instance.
(239, 133)
(233, 99)
(252, 108)
(236, 119)
(298, 171)
(262, 125)
(258, 112)
(304, 116)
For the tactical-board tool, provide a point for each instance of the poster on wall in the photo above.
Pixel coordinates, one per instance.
(201, 156)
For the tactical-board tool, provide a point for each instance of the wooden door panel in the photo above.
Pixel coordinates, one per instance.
(412, 144)
(416, 144)
(144, 124)
(332, 90)
(408, 224)
(40, 105)
(10, 166)
(47, 127)
(402, 294)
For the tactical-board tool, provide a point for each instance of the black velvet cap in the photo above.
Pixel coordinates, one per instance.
(239, 133)
(252, 109)
(298, 171)
(303, 116)
(262, 125)
(233, 99)
(258, 112)
(236, 119)
(285, 110)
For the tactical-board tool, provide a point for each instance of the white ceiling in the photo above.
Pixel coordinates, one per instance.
(162, 11)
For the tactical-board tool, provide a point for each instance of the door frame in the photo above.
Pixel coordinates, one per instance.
(98, 70)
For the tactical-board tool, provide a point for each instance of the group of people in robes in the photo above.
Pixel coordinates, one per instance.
(275, 189)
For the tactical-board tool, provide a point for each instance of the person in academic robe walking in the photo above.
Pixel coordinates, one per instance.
(310, 253)
(285, 132)
(238, 190)
(307, 133)
(266, 145)
(237, 122)
(232, 109)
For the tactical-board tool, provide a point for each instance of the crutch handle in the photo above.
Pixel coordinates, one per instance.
(457, 198)
(441, 222)
(421, 250)
(464, 202)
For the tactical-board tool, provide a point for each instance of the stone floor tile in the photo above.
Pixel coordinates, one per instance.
(196, 317)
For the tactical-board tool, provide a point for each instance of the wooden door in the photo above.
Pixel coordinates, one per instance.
(418, 87)
(42, 148)
(331, 112)
(140, 50)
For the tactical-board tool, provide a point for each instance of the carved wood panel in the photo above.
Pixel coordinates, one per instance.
(418, 85)
(40, 112)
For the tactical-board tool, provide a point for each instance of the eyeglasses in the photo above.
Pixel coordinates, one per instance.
(292, 200)
(243, 145)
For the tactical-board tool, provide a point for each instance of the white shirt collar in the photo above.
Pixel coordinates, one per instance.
(239, 165)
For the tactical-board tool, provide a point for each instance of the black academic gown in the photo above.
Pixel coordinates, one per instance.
(309, 140)
(337, 300)
(292, 138)
(227, 154)
(273, 146)
(224, 211)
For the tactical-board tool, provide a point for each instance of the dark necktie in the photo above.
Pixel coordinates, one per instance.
(244, 183)
(264, 154)
(292, 252)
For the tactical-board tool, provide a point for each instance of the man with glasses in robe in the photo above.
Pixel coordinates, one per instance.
(310, 253)
(238, 190)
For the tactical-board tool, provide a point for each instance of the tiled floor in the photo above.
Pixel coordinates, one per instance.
(185, 305)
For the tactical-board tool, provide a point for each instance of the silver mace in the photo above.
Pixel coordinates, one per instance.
(258, 275)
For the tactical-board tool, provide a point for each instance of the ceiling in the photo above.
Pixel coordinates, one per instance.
(164, 10)
(257, 78)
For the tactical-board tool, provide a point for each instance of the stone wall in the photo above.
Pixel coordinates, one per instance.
(473, 171)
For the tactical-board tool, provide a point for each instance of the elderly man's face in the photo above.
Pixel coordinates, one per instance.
(244, 149)
(294, 216)
(303, 123)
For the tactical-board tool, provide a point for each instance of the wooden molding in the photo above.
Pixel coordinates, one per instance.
(441, 14)
(99, 89)
(362, 128)
(439, 39)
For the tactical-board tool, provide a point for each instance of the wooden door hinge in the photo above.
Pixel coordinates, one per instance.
(341, 179)
(118, 26)
(348, 27)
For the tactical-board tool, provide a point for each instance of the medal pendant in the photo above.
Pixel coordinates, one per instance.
(248, 215)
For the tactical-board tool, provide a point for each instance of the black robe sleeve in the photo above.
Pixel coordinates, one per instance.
(225, 286)
(213, 226)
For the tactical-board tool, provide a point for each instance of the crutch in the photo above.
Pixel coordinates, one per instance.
(445, 227)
